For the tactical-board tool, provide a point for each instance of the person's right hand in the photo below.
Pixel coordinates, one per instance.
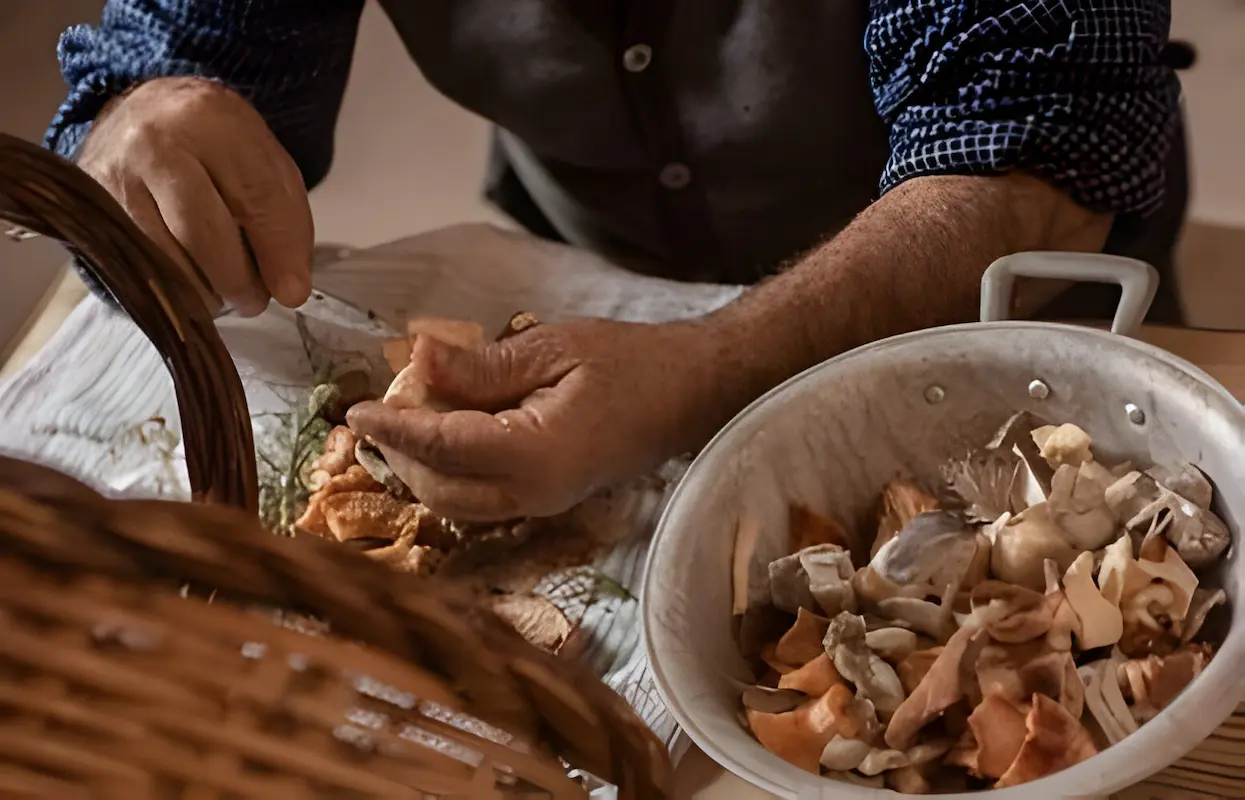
(202, 175)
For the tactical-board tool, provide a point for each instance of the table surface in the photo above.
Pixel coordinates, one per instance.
(1222, 355)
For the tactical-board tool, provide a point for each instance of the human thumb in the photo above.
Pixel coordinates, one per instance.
(491, 378)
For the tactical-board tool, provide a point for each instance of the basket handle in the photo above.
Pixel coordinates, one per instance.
(47, 195)
(1138, 281)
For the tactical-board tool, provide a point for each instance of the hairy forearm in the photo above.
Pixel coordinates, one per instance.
(913, 260)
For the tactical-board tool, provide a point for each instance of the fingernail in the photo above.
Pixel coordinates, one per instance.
(293, 290)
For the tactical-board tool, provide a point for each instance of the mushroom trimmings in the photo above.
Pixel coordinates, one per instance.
(1035, 609)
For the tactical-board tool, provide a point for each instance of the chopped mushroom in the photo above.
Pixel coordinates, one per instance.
(1033, 477)
(1102, 624)
(842, 754)
(788, 585)
(1155, 681)
(814, 678)
(1119, 576)
(879, 761)
(816, 578)
(901, 501)
(984, 482)
(1199, 535)
(936, 620)
(1105, 701)
(1023, 614)
(1204, 601)
(799, 736)
(1187, 481)
(1063, 445)
(802, 643)
(934, 549)
(1056, 740)
(1167, 567)
(830, 571)
(874, 679)
(1017, 672)
(1127, 496)
(913, 669)
(1022, 544)
(938, 691)
(1077, 504)
(1065, 622)
(997, 732)
(892, 644)
(773, 701)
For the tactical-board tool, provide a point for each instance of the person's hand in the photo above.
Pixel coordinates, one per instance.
(549, 415)
(199, 171)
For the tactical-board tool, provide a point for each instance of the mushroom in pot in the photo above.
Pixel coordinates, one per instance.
(1055, 741)
(874, 679)
(1063, 445)
(1022, 544)
(901, 501)
(934, 549)
(1077, 504)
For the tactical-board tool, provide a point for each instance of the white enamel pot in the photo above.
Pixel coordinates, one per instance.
(831, 437)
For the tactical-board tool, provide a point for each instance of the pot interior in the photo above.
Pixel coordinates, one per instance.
(831, 438)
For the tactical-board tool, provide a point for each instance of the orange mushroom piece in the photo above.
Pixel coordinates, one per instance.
(1056, 740)
(798, 736)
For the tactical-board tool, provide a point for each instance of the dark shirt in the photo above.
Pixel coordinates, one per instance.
(713, 140)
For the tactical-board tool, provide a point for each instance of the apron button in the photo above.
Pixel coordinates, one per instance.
(675, 176)
(637, 57)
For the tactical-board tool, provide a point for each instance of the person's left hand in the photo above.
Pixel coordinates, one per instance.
(549, 415)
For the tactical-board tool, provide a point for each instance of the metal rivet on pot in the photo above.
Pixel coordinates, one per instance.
(934, 394)
(1038, 390)
(1135, 414)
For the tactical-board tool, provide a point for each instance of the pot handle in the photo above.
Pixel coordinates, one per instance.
(1138, 281)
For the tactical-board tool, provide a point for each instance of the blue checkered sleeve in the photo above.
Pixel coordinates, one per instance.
(1070, 90)
(289, 58)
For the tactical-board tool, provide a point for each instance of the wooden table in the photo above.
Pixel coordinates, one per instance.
(1222, 355)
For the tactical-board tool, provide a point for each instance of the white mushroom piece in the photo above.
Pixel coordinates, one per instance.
(1021, 545)
(1077, 504)
(409, 388)
(892, 644)
(874, 679)
(935, 620)
(935, 549)
(817, 578)
(1101, 623)
(1063, 444)
(1104, 699)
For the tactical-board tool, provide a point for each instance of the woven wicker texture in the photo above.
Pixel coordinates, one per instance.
(47, 195)
(115, 681)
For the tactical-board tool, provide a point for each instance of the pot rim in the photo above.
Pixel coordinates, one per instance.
(1112, 766)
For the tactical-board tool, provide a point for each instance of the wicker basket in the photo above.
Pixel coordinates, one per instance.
(152, 649)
